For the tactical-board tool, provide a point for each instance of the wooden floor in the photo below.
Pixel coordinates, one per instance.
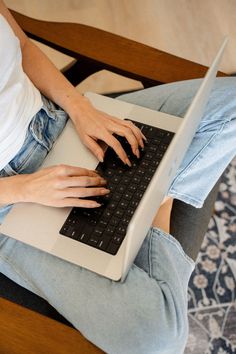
(192, 29)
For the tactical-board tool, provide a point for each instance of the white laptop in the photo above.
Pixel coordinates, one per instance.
(39, 226)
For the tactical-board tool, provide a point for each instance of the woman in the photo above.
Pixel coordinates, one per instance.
(148, 312)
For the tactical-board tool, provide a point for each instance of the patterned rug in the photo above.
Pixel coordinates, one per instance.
(212, 287)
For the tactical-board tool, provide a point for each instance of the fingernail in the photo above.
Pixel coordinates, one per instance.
(100, 158)
(105, 191)
(103, 181)
(144, 137)
(127, 161)
(137, 153)
(141, 143)
(95, 204)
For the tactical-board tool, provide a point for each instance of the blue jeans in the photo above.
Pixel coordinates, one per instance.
(148, 312)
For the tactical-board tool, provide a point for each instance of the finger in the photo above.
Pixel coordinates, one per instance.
(131, 138)
(136, 131)
(116, 146)
(67, 170)
(94, 148)
(84, 181)
(128, 134)
(84, 192)
(79, 203)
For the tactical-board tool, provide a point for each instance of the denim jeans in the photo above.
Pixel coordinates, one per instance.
(148, 312)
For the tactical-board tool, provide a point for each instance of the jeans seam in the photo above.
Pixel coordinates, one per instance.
(140, 269)
(150, 255)
(26, 159)
(171, 239)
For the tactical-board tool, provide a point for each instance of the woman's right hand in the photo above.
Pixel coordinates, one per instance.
(61, 186)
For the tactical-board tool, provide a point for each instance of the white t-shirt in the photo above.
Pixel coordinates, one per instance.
(20, 100)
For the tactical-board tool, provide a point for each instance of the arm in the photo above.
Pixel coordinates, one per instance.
(90, 123)
(64, 184)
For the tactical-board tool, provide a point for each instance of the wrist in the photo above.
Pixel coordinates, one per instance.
(12, 190)
(75, 104)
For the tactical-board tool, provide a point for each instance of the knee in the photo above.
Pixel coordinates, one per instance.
(152, 330)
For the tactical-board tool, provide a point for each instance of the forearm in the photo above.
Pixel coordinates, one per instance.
(49, 80)
(43, 73)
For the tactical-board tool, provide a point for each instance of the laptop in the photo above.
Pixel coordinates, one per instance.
(107, 239)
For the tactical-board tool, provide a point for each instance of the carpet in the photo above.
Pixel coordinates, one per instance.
(212, 287)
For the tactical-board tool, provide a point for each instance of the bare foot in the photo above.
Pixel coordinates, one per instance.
(162, 218)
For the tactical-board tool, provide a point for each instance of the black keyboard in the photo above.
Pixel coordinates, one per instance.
(105, 227)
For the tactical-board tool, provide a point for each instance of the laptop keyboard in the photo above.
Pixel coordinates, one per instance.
(105, 227)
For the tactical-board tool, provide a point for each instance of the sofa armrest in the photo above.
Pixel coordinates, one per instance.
(97, 49)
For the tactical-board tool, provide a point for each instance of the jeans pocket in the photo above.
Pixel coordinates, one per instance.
(48, 123)
(28, 160)
(42, 132)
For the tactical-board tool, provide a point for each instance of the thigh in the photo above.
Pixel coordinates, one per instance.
(175, 98)
(137, 316)
(213, 145)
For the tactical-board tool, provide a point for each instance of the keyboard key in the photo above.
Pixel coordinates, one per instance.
(155, 141)
(140, 172)
(110, 229)
(121, 189)
(138, 194)
(85, 234)
(106, 215)
(126, 180)
(168, 137)
(116, 179)
(132, 188)
(67, 231)
(147, 178)
(159, 133)
(127, 196)
(102, 224)
(114, 221)
(123, 204)
(162, 147)
(130, 172)
(117, 239)
(121, 229)
(136, 180)
(119, 213)
(112, 205)
(149, 156)
(102, 244)
(109, 172)
(93, 241)
(130, 212)
(126, 220)
(154, 163)
(134, 203)
(117, 197)
(144, 164)
(153, 148)
(98, 232)
(143, 186)
(113, 248)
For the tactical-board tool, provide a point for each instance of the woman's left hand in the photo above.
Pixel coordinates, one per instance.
(93, 125)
